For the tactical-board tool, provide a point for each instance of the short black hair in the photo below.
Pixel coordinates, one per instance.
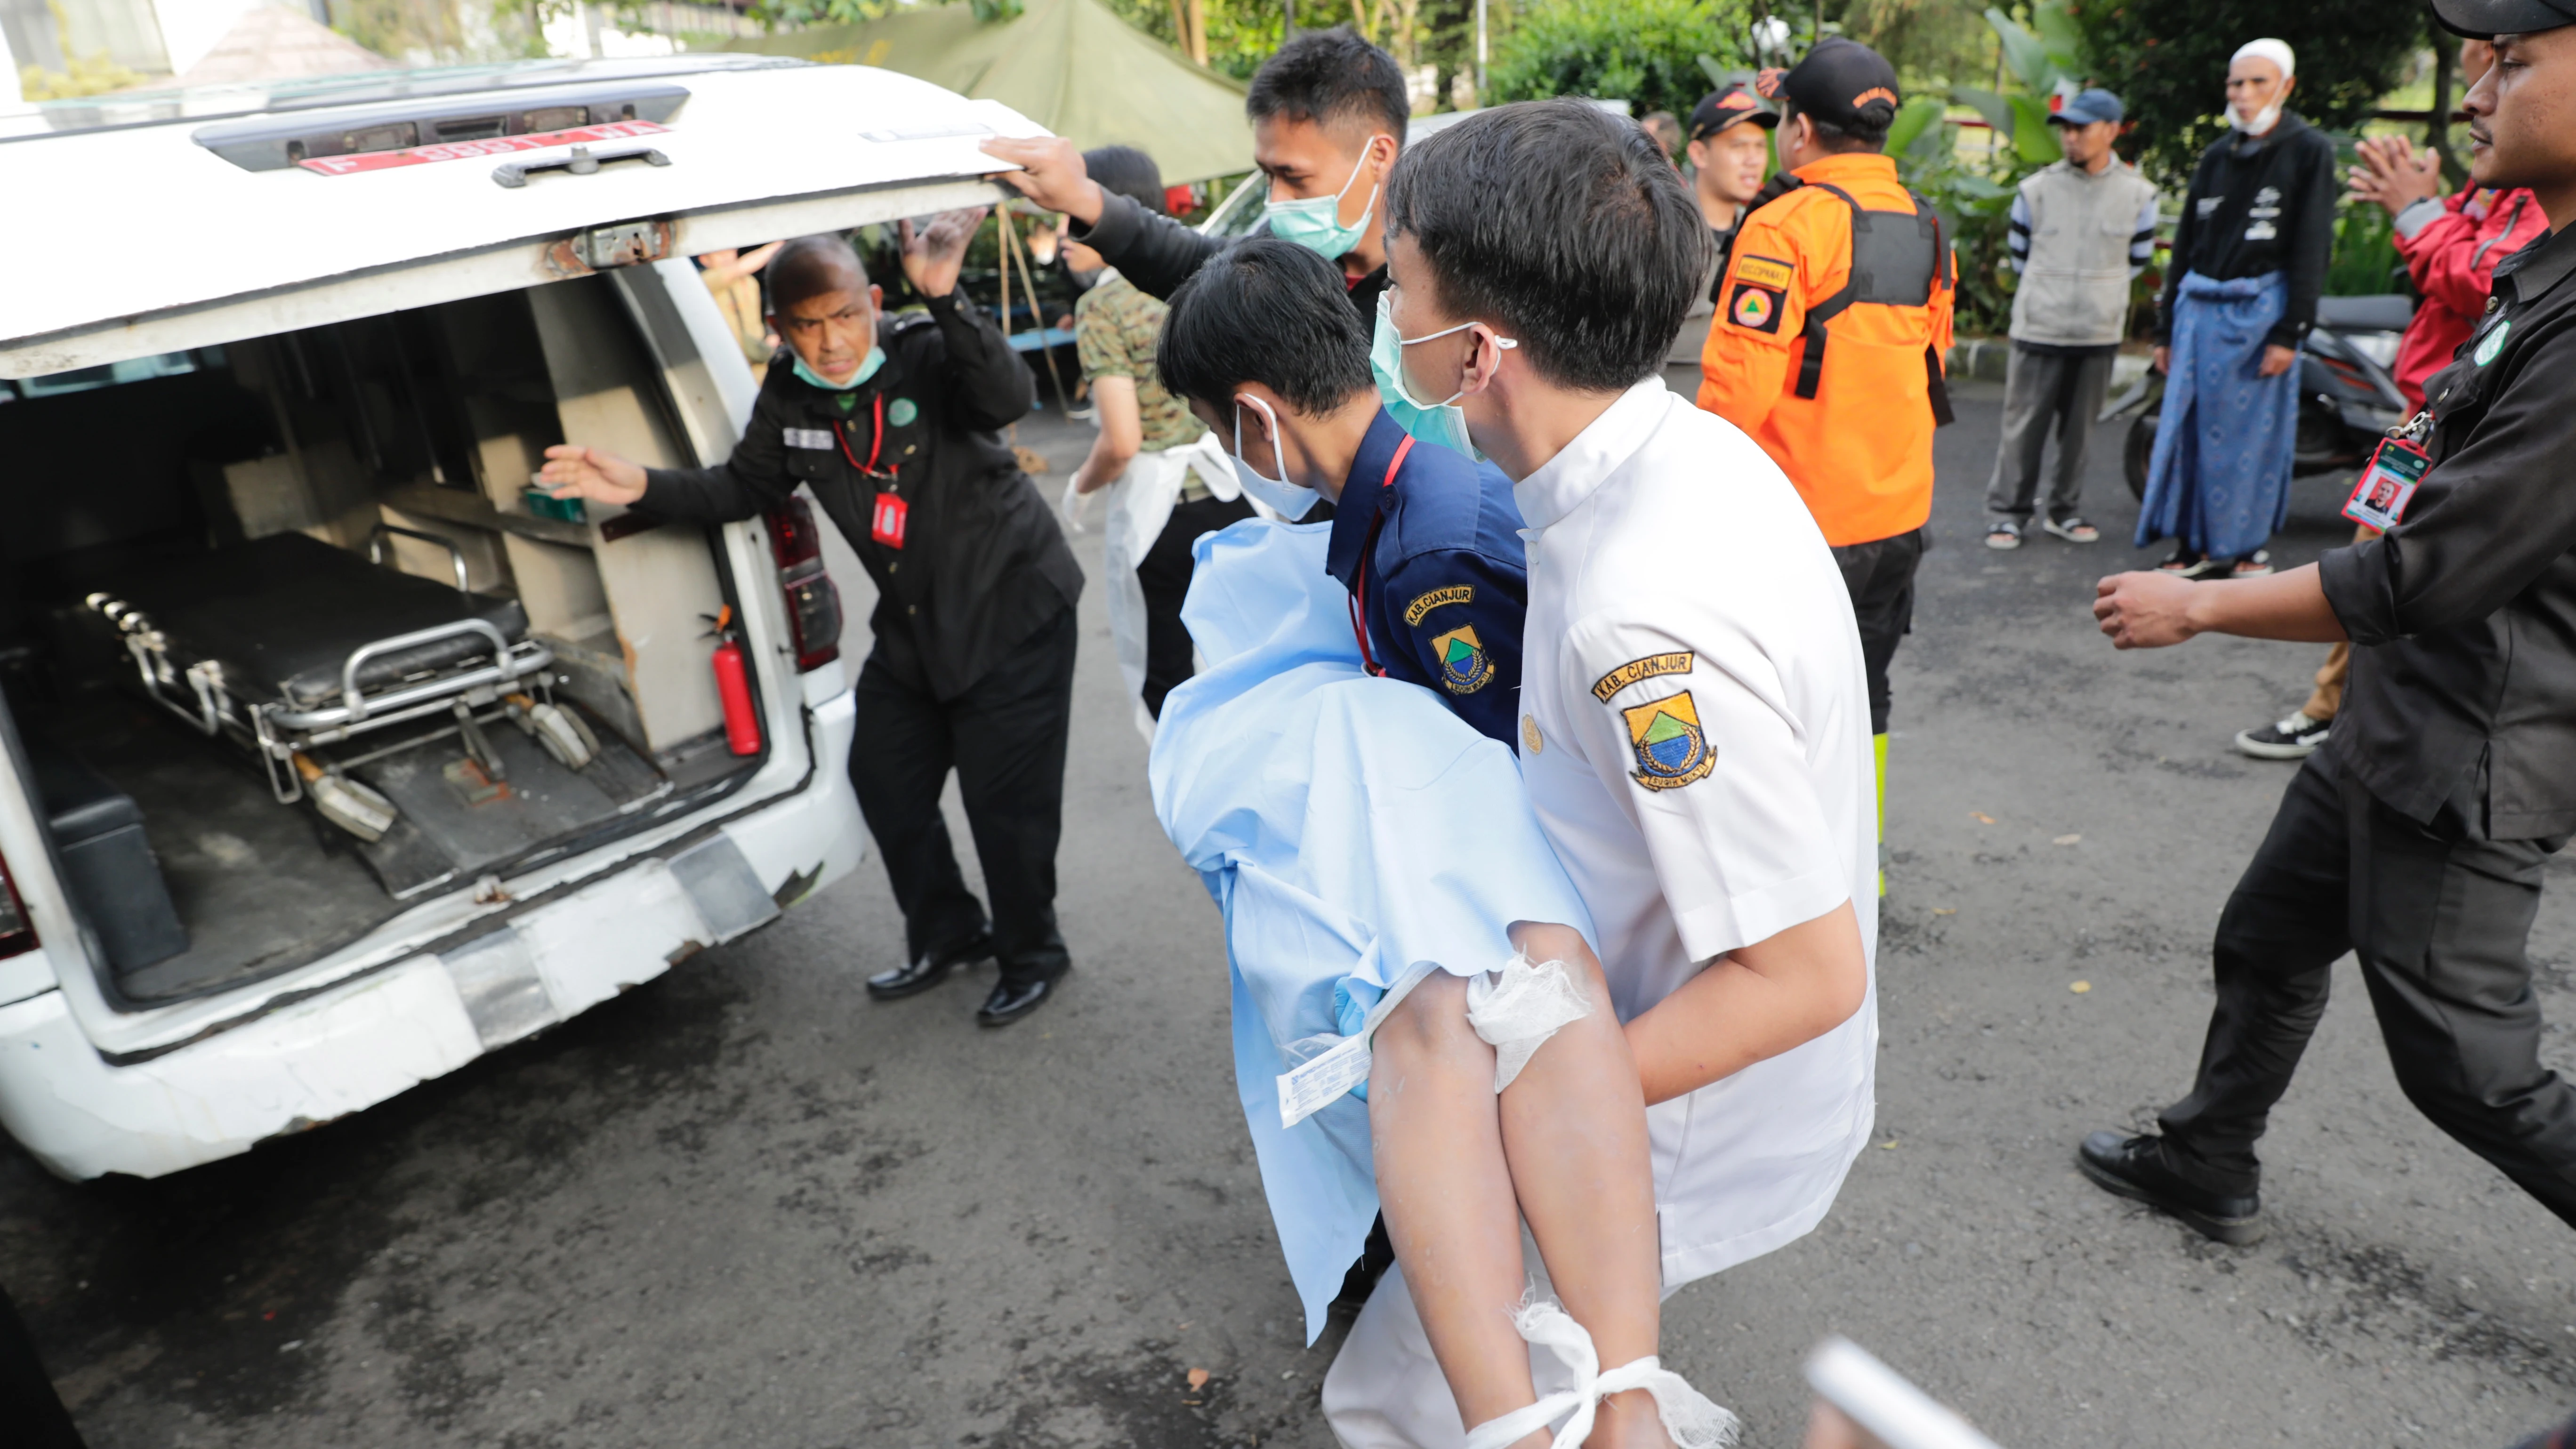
(809, 266)
(1324, 76)
(1837, 138)
(1266, 311)
(1130, 173)
(1564, 226)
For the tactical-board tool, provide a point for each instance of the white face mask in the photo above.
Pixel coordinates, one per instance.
(2262, 123)
(1289, 500)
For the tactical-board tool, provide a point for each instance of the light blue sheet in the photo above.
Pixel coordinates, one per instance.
(1348, 827)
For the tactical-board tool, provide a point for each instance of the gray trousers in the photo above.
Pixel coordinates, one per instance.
(2044, 390)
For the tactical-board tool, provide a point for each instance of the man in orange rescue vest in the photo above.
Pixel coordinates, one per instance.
(1832, 321)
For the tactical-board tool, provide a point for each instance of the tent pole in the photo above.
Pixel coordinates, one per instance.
(1480, 52)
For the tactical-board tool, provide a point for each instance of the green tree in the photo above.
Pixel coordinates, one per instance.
(2167, 59)
(1645, 52)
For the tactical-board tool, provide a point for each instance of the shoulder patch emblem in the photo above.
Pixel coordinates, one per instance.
(1464, 666)
(1530, 735)
(902, 411)
(1637, 669)
(1671, 750)
(1425, 603)
(1755, 308)
(1765, 272)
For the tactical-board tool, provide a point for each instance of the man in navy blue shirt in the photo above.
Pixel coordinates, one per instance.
(1266, 349)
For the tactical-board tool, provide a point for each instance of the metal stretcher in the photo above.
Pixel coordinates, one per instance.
(287, 644)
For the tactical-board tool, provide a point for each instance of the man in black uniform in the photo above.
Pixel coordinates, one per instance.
(2415, 836)
(1328, 117)
(892, 421)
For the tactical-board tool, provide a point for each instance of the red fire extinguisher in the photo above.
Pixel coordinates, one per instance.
(733, 686)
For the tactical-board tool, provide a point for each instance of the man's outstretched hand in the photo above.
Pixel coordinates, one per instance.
(932, 255)
(1051, 174)
(2144, 610)
(572, 471)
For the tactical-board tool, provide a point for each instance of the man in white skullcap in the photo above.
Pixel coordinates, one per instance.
(2248, 263)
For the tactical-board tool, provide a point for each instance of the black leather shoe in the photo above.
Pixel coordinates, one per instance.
(927, 970)
(2135, 1168)
(1012, 1000)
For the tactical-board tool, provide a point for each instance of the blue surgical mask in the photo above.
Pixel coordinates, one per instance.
(867, 369)
(1315, 223)
(1439, 422)
(1290, 501)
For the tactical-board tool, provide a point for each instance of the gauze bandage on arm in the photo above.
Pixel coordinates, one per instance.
(1515, 1010)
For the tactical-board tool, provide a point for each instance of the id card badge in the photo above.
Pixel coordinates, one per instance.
(2379, 499)
(885, 521)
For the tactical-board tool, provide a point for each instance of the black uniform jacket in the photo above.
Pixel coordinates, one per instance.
(1158, 254)
(2259, 204)
(2464, 679)
(982, 564)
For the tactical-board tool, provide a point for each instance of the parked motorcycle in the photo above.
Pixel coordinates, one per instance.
(2347, 397)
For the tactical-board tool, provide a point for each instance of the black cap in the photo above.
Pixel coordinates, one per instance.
(2487, 19)
(1732, 106)
(1847, 84)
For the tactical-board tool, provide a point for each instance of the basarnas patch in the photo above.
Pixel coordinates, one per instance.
(1755, 308)
(1464, 665)
(1671, 749)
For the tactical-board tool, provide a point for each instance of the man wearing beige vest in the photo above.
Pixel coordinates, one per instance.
(2081, 230)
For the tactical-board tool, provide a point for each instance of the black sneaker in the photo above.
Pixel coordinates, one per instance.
(2135, 1168)
(2294, 738)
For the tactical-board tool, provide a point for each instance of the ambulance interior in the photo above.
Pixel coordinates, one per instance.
(292, 648)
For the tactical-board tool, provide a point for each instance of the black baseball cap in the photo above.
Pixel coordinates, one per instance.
(2487, 19)
(1847, 84)
(1732, 106)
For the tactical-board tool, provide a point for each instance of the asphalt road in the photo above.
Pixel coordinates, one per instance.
(745, 1206)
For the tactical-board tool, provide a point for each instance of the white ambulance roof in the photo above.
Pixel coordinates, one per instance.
(135, 234)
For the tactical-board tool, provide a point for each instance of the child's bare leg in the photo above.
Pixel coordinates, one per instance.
(1574, 1135)
(1436, 1134)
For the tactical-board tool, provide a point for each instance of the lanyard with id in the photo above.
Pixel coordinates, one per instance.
(2388, 483)
(886, 516)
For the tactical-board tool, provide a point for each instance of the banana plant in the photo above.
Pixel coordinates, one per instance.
(2048, 65)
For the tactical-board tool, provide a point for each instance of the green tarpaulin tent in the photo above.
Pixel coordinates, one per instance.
(1072, 66)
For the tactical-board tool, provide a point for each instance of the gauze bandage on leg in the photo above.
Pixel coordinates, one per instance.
(1515, 1010)
(1693, 1421)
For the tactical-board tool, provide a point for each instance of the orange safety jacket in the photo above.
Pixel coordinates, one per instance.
(1839, 379)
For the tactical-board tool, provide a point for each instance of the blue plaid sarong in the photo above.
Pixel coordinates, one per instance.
(2219, 479)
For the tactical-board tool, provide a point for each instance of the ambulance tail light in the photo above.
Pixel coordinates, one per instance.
(813, 603)
(17, 934)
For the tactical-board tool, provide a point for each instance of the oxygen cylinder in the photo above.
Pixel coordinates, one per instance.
(733, 686)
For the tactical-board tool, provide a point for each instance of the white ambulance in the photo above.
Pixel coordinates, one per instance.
(335, 757)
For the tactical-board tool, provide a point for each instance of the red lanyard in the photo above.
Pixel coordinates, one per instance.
(1359, 577)
(876, 445)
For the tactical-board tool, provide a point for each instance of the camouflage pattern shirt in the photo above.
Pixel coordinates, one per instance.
(1115, 327)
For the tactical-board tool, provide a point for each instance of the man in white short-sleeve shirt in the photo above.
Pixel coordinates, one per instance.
(1694, 723)
(1695, 737)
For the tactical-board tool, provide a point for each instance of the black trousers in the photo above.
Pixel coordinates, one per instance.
(1005, 738)
(2439, 920)
(1880, 576)
(1165, 576)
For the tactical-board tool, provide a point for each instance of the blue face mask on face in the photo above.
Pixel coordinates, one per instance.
(1315, 223)
(1439, 422)
(867, 369)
